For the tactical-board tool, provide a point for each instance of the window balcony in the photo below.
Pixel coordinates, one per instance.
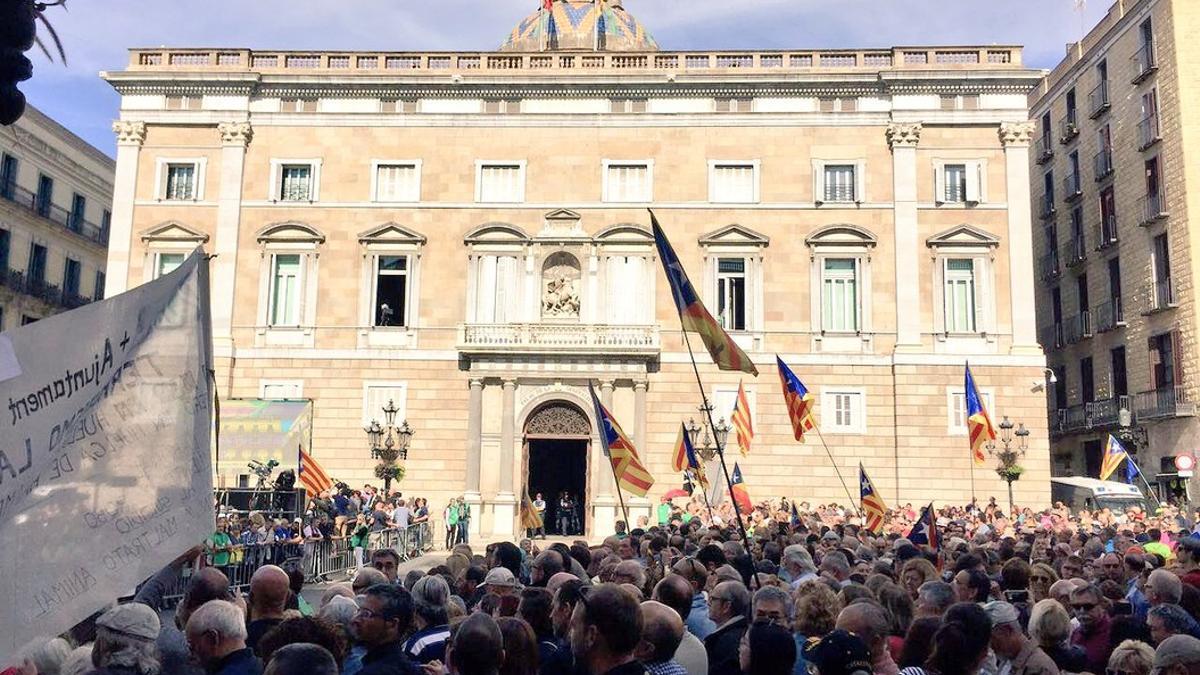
(1068, 128)
(559, 338)
(1076, 251)
(1078, 328)
(1048, 209)
(1162, 295)
(1098, 102)
(1072, 187)
(1106, 232)
(1149, 132)
(1108, 315)
(1048, 266)
(50, 294)
(1153, 208)
(1163, 403)
(57, 215)
(1052, 336)
(1086, 417)
(1043, 149)
(1102, 164)
(1144, 62)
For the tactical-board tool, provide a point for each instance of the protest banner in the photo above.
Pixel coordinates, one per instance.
(105, 466)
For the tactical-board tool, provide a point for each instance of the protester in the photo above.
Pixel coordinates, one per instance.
(1131, 658)
(606, 628)
(1010, 644)
(216, 633)
(125, 641)
(269, 591)
(431, 596)
(766, 649)
(728, 604)
(662, 633)
(520, 647)
(302, 659)
(384, 617)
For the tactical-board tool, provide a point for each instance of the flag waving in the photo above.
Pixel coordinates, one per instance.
(873, 506)
(979, 425)
(799, 401)
(1114, 454)
(740, 494)
(924, 531)
(312, 476)
(627, 466)
(694, 315)
(742, 421)
(686, 460)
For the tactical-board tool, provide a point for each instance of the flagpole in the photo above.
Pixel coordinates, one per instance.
(971, 469)
(1149, 488)
(817, 428)
(620, 497)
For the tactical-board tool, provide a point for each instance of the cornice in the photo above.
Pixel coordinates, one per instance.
(64, 163)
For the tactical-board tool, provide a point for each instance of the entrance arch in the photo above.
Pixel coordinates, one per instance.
(558, 437)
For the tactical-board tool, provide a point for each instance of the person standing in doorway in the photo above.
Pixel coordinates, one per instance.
(539, 505)
(450, 516)
(464, 521)
(564, 513)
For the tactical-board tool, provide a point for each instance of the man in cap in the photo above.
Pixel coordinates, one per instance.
(839, 653)
(125, 641)
(500, 581)
(1010, 644)
(1177, 655)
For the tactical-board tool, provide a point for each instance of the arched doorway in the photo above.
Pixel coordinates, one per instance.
(558, 436)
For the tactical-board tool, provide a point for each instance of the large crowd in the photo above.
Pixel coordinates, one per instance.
(806, 591)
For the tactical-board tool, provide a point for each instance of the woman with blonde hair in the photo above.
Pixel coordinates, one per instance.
(457, 563)
(1131, 657)
(916, 572)
(817, 608)
(1050, 628)
(1041, 577)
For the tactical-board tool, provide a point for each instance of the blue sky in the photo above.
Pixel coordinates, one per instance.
(98, 32)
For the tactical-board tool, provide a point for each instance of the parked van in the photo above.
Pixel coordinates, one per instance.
(1080, 493)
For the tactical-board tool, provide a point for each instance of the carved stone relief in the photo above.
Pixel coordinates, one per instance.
(560, 287)
(559, 419)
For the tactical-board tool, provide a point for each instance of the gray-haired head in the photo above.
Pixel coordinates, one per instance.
(78, 662)
(934, 598)
(775, 594)
(302, 659)
(47, 655)
(797, 556)
(340, 610)
(1177, 650)
(431, 594)
(221, 617)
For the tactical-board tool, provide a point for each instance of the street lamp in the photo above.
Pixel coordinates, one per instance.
(389, 443)
(1015, 443)
(702, 435)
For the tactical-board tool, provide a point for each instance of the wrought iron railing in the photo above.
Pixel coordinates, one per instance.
(1144, 61)
(39, 206)
(1098, 100)
(1106, 232)
(1048, 264)
(1163, 402)
(1077, 248)
(1148, 131)
(1108, 315)
(1153, 207)
(1102, 163)
(1162, 294)
(1078, 327)
(1068, 127)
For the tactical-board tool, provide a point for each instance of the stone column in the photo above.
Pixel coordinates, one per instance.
(235, 136)
(130, 137)
(903, 139)
(506, 501)
(639, 506)
(474, 451)
(1014, 136)
(604, 499)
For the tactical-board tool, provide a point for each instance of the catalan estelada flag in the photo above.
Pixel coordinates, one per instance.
(738, 487)
(873, 506)
(742, 422)
(685, 459)
(312, 476)
(924, 531)
(979, 425)
(694, 315)
(799, 401)
(1114, 454)
(530, 519)
(627, 466)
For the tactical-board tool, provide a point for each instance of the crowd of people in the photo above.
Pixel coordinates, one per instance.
(806, 591)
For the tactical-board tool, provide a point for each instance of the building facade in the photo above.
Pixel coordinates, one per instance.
(466, 234)
(1110, 184)
(55, 205)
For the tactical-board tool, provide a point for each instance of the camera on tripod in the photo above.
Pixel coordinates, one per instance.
(263, 471)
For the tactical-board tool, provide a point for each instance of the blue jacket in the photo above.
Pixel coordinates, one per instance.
(241, 662)
(698, 622)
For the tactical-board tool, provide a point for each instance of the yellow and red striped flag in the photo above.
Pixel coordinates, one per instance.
(873, 506)
(742, 422)
(798, 400)
(979, 423)
(312, 476)
(627, 466)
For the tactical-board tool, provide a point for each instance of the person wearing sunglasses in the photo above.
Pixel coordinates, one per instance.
(1041, 577)
(1095, 626)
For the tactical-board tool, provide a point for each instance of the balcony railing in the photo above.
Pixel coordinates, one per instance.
(1078, 327)
(1102, 164)
(1072, 187)
(1162, 294)
(1108, 315)
(1052, 336)
(1098, 102)
(1144, 62)
(1089, 416)
(1048, 266)
(1165, 402)
(1077, 251)
(1154, 208)
(1149, 132)
(1068, 127)
(19, 282)
(556, 337)
(70, 220)
(1048, 209)
(1106, 232)
(1043, 149)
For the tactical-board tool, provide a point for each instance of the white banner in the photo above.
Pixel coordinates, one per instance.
(105, 466)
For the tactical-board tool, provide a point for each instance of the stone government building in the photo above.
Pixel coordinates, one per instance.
(466, 234)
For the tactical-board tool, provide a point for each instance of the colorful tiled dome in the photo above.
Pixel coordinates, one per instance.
(572, 25)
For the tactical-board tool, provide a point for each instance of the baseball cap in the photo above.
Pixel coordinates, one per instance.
(1001, 612)
(132, 620)
(500, 576)
(839, 653)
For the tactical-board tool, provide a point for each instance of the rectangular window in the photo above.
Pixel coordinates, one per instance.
(377, 396)
(731, 293)
(391, 291)
(98, 287)
(398, 182)
(840, 183)
(281, 390)
(839, 295)
(626, 282)
(1162, 259)
(167, 263)
(285, 290)
(843, 411)
(26, 319)
(1165, 369)
(36, 271)
(78, 210)
(1060, 387)
(955, 178)
(295, 183)
(501, 183)
(45, 195)
(5, 243)
(497, 289)
(1120, 381)
(71, 274)
(628, 182)
(958, 409)
(733, 182)
(960, 296)
(8, 176)
(181, 182)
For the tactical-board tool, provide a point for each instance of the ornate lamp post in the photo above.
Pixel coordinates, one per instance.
(702, 435)
(1009, 470)
(389, 443)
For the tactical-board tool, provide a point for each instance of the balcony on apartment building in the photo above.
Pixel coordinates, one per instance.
(41, 207)
(1106, 232)
(1068, 127)
(18, 282)
(1078, 327)
(1092, 416)
(1161, 293)
(1162, 403)
(1048, 209)
(1143, 62)
(1108, 315)
(1148, 131)
(1153, 208)
(1076, 251)
(1043, 148)
(1052, 336)
(1098, 102)
(559, 338)
(1048, 266)
(1102, 164)
(1072, 187)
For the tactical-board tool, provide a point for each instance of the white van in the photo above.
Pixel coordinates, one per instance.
(1078, 493)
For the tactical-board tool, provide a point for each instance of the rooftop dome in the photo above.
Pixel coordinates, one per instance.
(572, 25)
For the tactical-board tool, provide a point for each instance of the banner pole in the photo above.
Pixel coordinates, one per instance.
(849, 495)
(620, 496)
(1149, 488)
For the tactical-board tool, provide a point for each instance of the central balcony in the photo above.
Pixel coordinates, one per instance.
(1068, 127)
(1092, 416)
(1108, 315)
(559, 338)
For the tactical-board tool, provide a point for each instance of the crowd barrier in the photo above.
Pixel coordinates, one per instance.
(322, 560)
